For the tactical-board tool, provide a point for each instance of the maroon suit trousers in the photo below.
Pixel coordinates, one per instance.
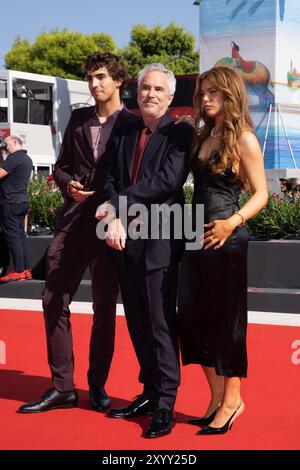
(69, 255)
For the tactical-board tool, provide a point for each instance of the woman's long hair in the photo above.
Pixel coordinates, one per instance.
(236, 115)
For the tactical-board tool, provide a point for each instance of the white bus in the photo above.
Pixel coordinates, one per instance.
(37, 108)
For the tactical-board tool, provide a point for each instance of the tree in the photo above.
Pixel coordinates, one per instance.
(172, 45)
(60, 53)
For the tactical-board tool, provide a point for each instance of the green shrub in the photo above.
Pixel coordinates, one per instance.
(45, 204)
(188, 190)
(278, 219)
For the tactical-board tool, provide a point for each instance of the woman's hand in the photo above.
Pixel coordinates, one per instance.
(219, 231)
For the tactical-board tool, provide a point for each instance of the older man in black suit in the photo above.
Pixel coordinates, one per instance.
(150, 167)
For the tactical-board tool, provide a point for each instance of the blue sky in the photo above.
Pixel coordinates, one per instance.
(30, 17)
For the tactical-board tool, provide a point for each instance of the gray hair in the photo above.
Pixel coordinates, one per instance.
(159, 67)
(16, 139)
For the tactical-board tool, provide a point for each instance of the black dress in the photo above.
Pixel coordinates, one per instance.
(212, 304)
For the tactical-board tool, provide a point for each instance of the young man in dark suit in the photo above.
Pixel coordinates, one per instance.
(79, 174)
(150, 167)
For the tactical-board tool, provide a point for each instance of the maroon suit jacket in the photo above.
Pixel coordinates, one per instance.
(76, 162)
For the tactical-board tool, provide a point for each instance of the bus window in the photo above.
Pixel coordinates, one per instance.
(3, 89)
(32, 102)
(3, 101)
(43, 171)
(183, 99)
(3, 114)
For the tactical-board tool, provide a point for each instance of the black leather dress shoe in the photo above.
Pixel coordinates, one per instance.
(98, 398)
(51, 400)
(161, 423)
(140, 406)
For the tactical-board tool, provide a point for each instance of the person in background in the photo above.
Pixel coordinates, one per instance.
(15, 172)
(213, 301)
(290, 188)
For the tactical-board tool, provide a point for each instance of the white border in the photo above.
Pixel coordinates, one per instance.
(263, 318)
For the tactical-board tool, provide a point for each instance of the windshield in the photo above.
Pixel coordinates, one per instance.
(3, 101)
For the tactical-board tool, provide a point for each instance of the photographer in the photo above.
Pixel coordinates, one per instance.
(15, 172)
(290, 188)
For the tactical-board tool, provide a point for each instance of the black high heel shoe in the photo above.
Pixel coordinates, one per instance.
(203, 421)
(208, 430)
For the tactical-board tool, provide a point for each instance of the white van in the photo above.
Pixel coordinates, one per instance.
(37, 108)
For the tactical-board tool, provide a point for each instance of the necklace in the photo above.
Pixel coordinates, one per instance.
(215, 134)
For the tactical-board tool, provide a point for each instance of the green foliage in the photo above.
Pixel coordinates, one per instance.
(18, 58)
(45, 204)
(60, 53)
(188, 190)
(277, 219)
(173, 46)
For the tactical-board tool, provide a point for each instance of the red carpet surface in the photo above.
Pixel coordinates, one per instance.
(271, 394)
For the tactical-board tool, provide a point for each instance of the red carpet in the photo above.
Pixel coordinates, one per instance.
(271, 394)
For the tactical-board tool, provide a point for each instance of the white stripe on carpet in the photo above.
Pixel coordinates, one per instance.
(264, 318)
(36, 305)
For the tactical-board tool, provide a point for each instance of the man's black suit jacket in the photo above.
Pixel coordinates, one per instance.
(162, 173)
(76, 162)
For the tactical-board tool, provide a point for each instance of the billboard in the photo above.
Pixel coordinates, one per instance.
(258, 38)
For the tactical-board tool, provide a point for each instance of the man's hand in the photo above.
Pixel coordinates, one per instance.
(76, 191)
(116, 235)
(3, 173)
(105, 210)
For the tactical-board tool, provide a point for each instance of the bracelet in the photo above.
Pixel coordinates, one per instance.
(242, 217)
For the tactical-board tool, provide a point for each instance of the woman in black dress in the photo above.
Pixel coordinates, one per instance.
(213, 293)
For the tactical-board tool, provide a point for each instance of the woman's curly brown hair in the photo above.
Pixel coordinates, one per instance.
(236, 115)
